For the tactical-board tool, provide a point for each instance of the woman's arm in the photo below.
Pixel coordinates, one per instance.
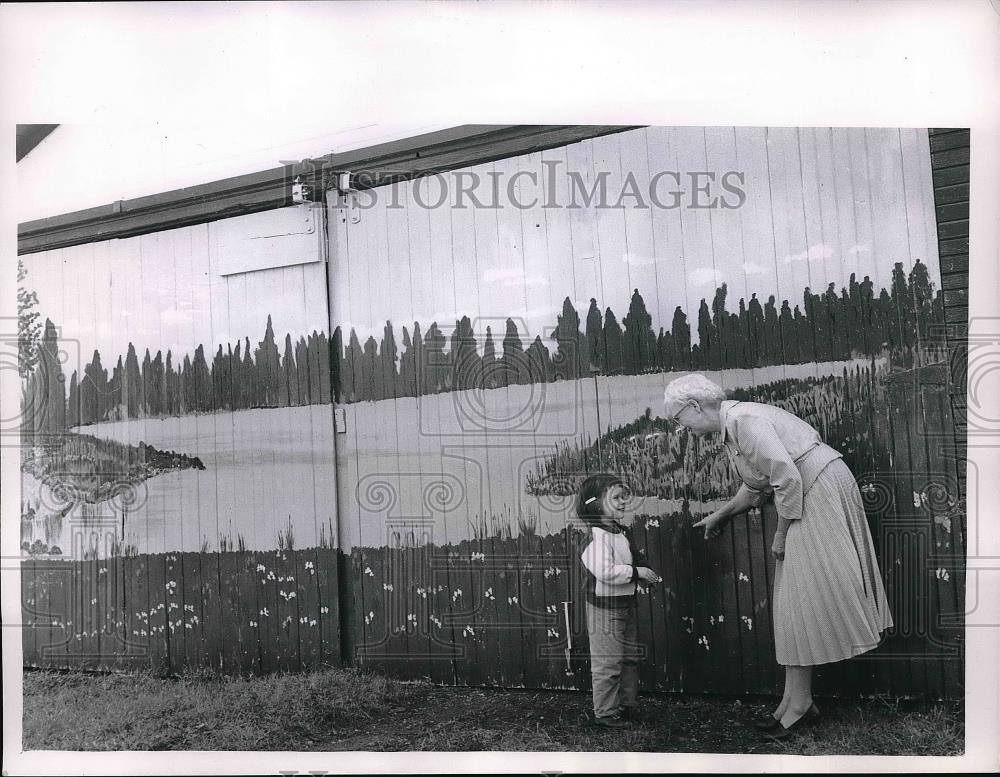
(778, 543)
(745, 499)
(740, 503)
(759, 442)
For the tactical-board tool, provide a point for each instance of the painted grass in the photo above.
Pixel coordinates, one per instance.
(346, 709)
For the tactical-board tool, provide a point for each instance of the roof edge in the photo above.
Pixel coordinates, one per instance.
(378, 165)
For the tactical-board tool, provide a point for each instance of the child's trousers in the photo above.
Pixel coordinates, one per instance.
(614, 657)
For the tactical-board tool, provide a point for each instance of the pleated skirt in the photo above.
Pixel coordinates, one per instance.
(829, 602)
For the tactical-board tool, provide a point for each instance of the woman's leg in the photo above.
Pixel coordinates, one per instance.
(786, 698)
(798, 687)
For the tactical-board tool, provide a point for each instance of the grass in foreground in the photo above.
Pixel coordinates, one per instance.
(347, 709)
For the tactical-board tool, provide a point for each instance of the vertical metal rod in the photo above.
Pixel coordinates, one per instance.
(569, 636)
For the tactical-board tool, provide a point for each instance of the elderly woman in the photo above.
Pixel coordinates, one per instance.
(828, 600)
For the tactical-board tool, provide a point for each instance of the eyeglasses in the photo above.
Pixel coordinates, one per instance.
(675, 418)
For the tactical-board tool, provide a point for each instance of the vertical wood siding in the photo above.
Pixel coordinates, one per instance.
(439, 541)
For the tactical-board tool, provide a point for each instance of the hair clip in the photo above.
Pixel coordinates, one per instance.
(592, 499)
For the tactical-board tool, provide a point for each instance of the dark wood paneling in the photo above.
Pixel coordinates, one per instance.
(944, 141)
(951, 196)
(951, 157)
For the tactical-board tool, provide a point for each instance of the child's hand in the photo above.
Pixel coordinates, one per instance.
(648, 575)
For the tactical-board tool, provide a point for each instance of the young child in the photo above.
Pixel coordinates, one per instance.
(612, 612)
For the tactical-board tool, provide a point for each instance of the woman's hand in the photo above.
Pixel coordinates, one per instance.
(713, 524)
(647, 575)
(778, 546)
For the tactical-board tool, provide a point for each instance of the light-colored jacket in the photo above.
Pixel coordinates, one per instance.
(773, 450)
(609, 560)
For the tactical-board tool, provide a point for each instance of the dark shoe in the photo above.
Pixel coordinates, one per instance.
(780, 733)
(769, 723)
(610, 721)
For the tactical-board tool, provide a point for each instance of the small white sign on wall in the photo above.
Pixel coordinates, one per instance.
(271, 238)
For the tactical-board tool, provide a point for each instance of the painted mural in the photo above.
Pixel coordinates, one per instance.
(485, 359)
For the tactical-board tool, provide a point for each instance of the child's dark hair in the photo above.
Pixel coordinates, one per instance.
(590, 497)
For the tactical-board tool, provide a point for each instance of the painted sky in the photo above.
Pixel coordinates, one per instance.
(820, 203)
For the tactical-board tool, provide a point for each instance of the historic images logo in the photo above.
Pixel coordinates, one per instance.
(552, 187)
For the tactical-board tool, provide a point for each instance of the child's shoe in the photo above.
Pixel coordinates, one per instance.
(610, 721)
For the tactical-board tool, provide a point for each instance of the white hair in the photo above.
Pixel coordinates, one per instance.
(695, 386)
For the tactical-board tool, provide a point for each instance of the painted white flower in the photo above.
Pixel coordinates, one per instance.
(455, 594)
(748, 621)
(742, 577)
(468, 631)
(489, 594)
(94, 600)
(387, 586)
(324, 610)
(942, 574)
(261, 568)
(511, 600)
(368, 571)
(552, 633)
(312, 622)
(722, 618)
